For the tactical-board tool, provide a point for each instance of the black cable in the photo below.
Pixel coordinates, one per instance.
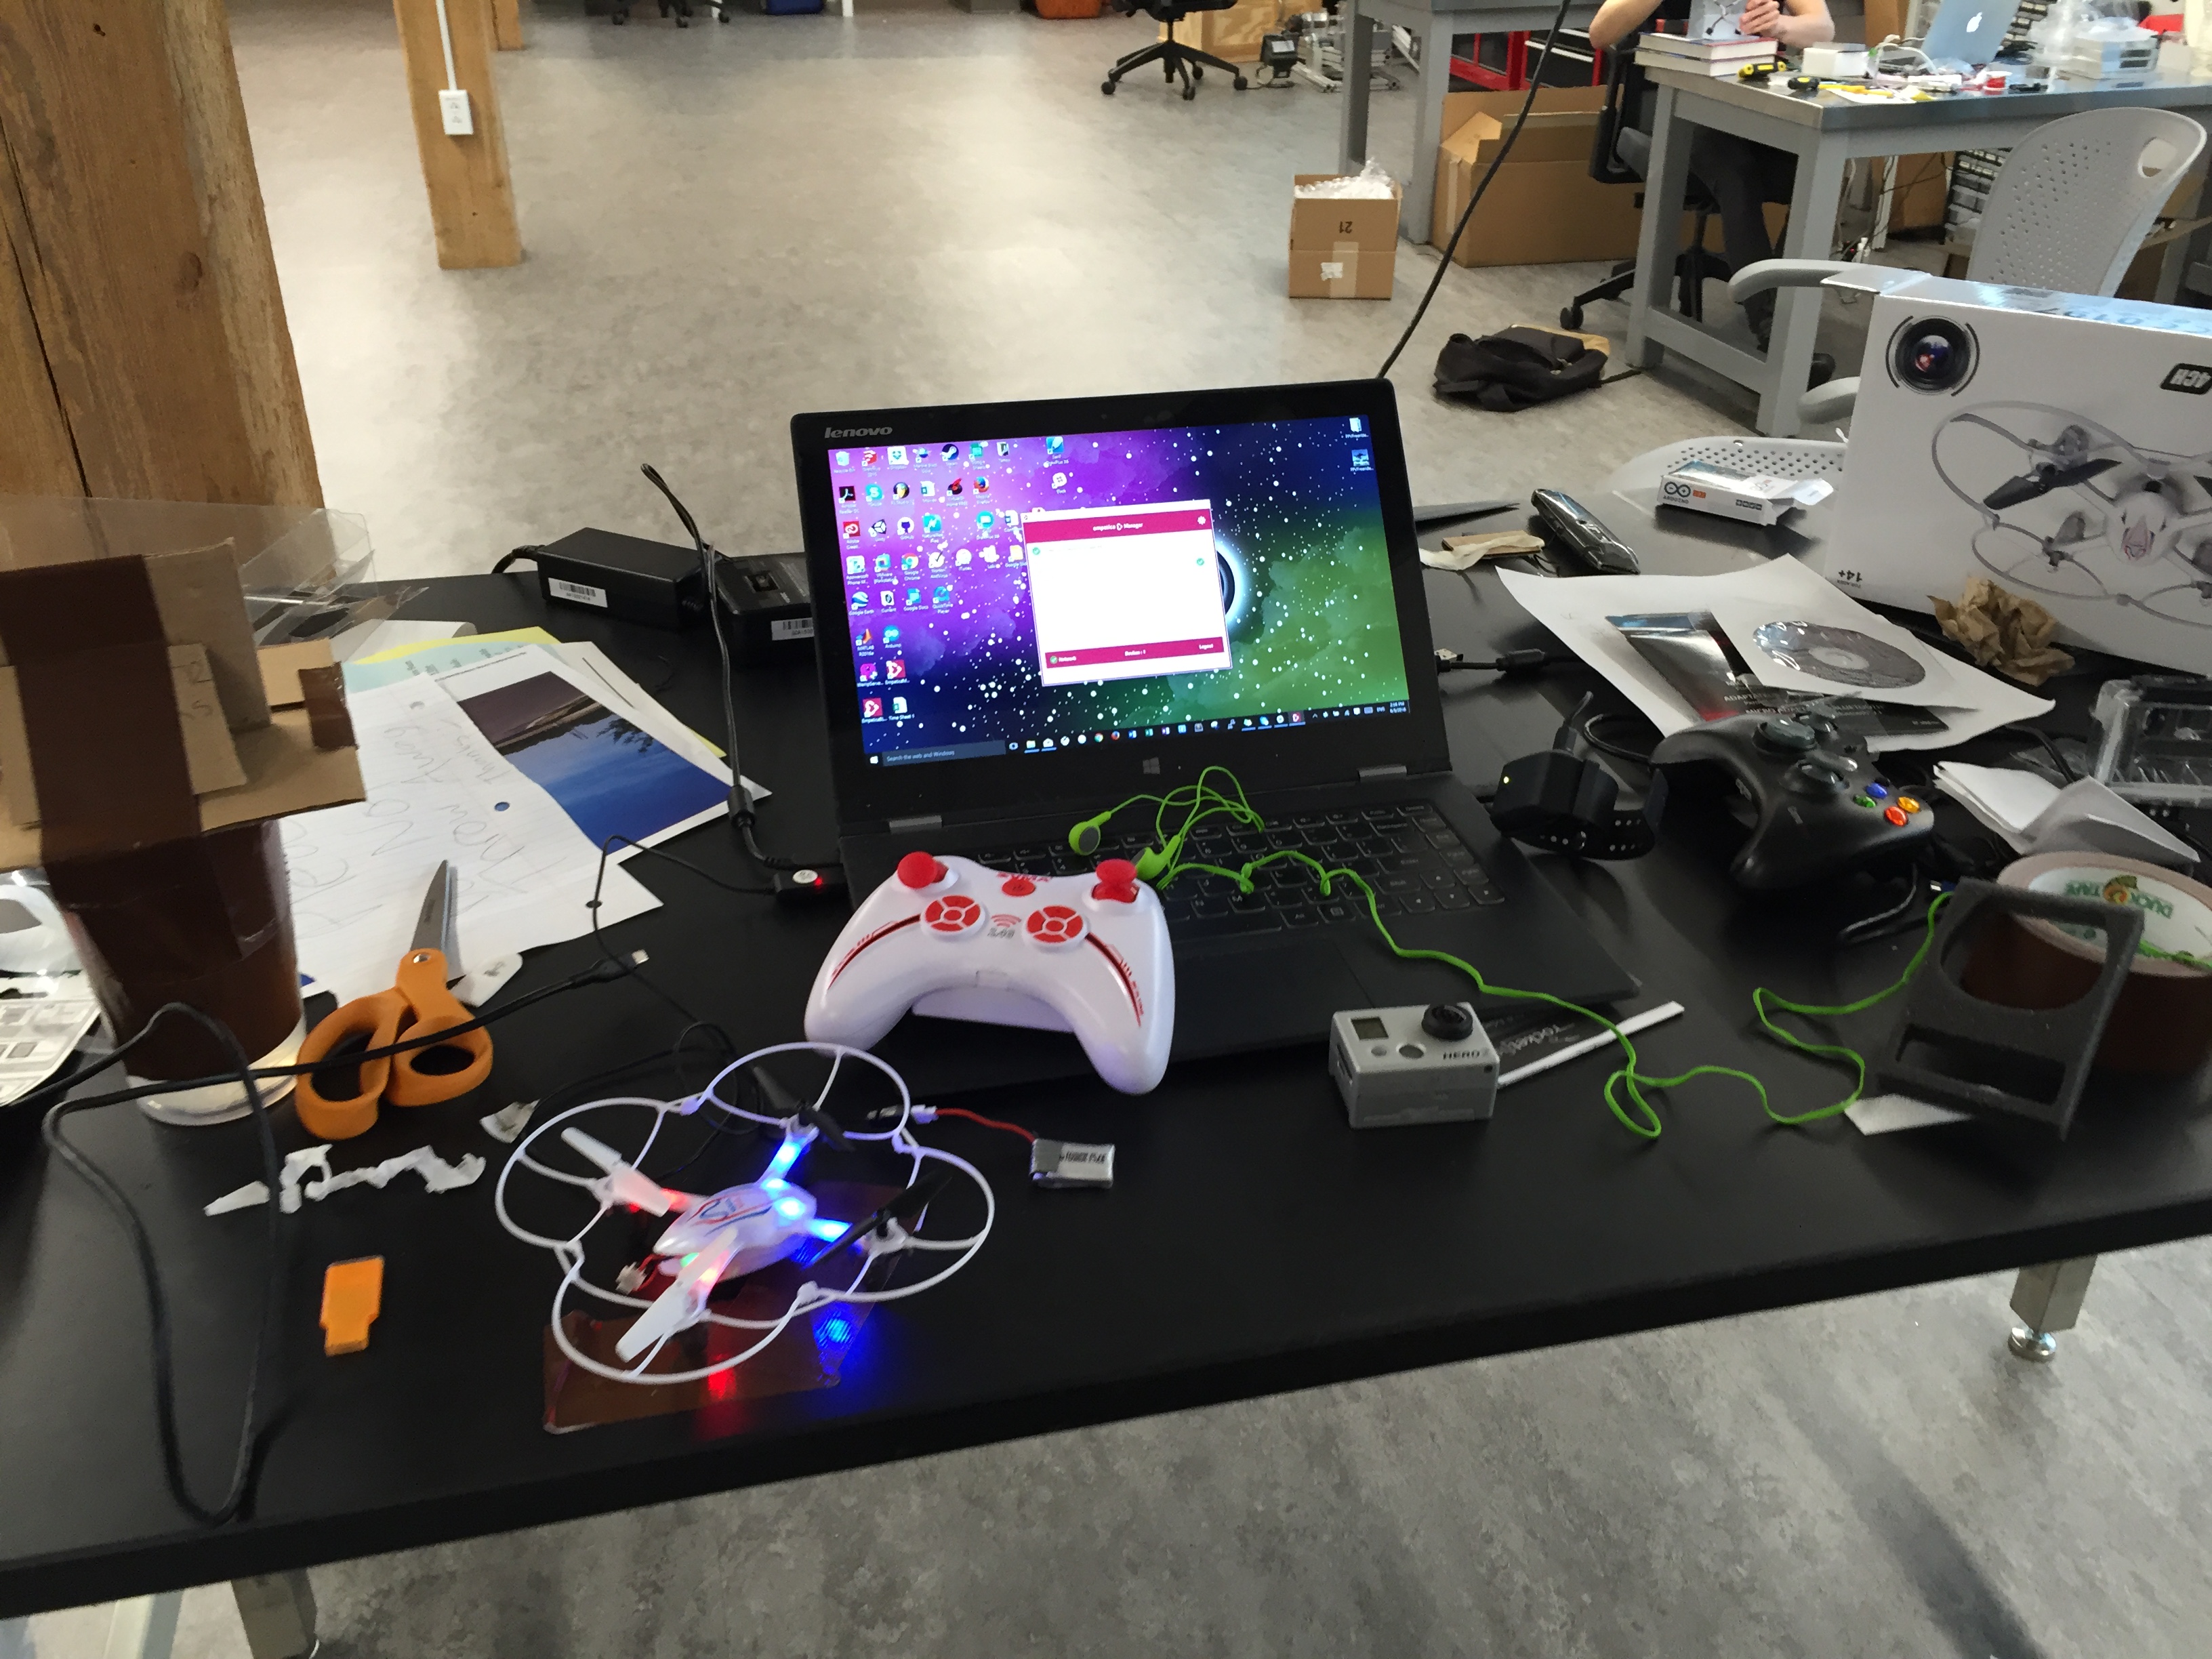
(628, 965)
(2066, 772)
(741, 808)
(165, 1399)
(1444, 260)
(1528, 661)
(1905, 912)
(1619, 751)
(529, 553)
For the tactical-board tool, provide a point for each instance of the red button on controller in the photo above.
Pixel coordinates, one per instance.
(1894, 814)
(1117, 880)
(919, 870)
(1017, 887)
(1056, 924)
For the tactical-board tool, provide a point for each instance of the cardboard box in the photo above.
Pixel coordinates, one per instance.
(1342, 248)
(1968, 392)
(108, 648)
(1543, 208)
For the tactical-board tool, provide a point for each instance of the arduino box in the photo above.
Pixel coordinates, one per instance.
(1758, 498)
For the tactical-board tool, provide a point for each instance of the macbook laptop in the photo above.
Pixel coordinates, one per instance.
(1967, 34)
(1028, 611)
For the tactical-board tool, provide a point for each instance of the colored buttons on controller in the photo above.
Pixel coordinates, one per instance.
(1878, 791)
(1117, 882)
(919, 869)
(952, 915)
(1017, 887)
(1055, 927)
(1894, 814)
(1783, 736)
(1910, 804)
(1862, 800)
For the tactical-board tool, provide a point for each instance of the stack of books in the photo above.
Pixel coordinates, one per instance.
(1718, 59)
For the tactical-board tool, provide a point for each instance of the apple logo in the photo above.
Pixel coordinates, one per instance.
(1973, 22)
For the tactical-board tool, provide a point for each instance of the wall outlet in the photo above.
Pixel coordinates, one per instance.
(453, 110)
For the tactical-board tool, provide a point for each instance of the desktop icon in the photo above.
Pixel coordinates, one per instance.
(898, 453)
(874, 492)
(1357, 425)
(1056, 447)
(868, 672)
(860, 601)
(985, 520)
(869, 458)
(895, 668)
(1361, 461)
(913, 598)
(931, 525)
(976, 452)
(852, 529)
(901, 490)
(1031, 743)
(872, 709)
(963, 558)
(883, 564)
(953, 487)
(848, 492)
(856, 564)
(843, 458)
(891, 634)
(929, 490)
(951, 451)
(878, 527)
(1014, 519)
(863, 638)
(1013, 553)
(906, 527)
(988, 555)
(982, 486)
(909, 561)
(941, 594)
(1060, 480)
(1005, 448)
(937, 558)
(898, 705)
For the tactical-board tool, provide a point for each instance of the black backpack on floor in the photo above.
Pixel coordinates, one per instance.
(1515, 368)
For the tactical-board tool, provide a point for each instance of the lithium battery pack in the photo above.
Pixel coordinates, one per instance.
(771, 614)
(1071, 1163)
(1752, 497)
(625, 577)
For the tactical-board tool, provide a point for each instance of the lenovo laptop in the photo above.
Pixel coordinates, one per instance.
(1027, 612)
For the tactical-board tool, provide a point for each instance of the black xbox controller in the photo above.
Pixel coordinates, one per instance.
(1821, 808)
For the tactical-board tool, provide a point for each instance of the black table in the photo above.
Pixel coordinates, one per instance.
(1252, 1243)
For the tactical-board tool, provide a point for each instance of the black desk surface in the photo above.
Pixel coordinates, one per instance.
(1252, 1243)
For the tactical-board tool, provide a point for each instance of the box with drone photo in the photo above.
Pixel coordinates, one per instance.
(2058, 444)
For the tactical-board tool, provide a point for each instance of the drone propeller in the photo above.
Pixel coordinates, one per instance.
(2042, 478)
(903, 1208)
(783, 1104)
(624, 1183)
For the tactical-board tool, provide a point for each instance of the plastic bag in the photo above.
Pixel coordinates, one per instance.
(1371, 183)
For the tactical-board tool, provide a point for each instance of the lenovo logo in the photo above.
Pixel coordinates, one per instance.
(858, 432)
(2194, 378)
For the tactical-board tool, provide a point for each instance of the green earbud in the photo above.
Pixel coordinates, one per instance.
(1155, 860)
(1084, 837)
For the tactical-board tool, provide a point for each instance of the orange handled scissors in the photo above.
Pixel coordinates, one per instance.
(417, 1004)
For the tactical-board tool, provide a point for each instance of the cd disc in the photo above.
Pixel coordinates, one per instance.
(1843, 655)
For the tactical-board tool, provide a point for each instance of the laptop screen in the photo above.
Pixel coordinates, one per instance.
(1028, 594)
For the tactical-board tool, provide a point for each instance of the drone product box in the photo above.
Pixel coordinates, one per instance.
(2058, 444)
(1758, 498)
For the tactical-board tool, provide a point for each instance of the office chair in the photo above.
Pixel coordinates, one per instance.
(1174, 58)
(1622, 154)
(2070, 206)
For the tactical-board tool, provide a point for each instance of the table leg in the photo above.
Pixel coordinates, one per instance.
(1414, 221)
(1813, 206)
(2049, 1297)
(1358, 57)
(278, 1612)
(144, 1627)
(1657, 242)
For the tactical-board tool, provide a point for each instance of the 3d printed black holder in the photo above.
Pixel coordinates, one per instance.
(2050, 1048)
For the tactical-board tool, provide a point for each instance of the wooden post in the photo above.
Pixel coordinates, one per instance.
(144, 350)
(507, 24)
(472, 196)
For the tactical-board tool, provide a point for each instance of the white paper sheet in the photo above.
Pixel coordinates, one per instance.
(437, 790)
(2035, 815)
(1576, 608)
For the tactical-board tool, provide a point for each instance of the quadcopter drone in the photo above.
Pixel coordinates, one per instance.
(2130, 524)
(716, 1237)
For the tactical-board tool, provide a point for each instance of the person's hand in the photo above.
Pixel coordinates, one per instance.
(1764, 18)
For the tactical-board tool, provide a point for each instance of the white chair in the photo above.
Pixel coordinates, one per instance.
(2070, 206)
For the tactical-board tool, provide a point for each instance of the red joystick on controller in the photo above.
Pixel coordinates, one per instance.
(1117, 880)
(919, 869)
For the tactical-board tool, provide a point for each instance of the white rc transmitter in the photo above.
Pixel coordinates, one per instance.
(1419, 1065)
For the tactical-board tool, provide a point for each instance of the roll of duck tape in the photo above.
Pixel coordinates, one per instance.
(2162, 1024)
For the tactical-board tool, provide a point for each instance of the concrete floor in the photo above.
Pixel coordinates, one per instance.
(729, 225)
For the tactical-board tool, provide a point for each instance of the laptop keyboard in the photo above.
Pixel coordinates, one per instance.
(1413, 859)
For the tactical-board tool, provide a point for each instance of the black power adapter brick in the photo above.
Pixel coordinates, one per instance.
(625, 577)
